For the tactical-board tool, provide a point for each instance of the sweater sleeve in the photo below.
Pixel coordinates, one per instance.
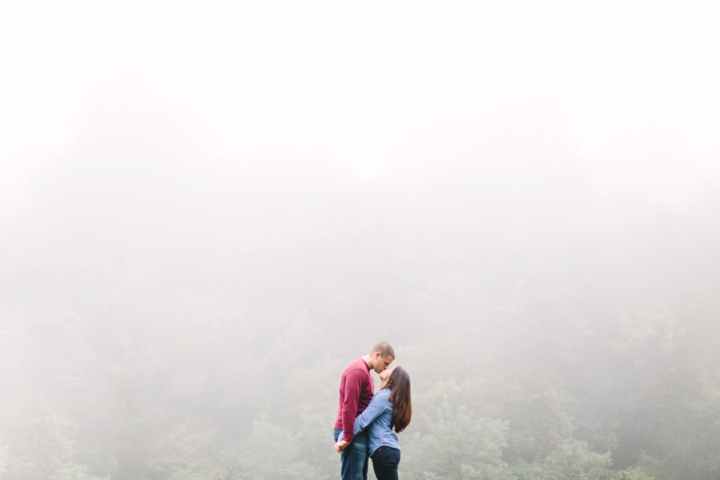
(353, 385)
(378, 405)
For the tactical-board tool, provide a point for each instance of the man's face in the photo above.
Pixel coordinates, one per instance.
(382, 363)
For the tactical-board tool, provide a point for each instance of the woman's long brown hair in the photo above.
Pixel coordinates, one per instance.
(399, 385)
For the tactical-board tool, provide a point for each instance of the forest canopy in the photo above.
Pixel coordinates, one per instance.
(166, 316)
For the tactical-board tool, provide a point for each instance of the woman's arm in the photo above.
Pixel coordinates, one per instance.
(378, 405)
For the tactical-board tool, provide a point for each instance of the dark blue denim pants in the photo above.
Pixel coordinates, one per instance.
(385, 463)
(354, 459)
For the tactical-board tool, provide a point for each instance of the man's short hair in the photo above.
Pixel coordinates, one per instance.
(384, 348)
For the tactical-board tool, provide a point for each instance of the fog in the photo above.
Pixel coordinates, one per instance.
(208, 210)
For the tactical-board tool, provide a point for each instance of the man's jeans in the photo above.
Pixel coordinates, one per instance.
(354, 459)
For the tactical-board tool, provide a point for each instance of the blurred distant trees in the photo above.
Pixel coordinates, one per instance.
(549, 334)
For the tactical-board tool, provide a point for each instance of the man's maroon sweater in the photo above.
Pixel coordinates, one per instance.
(357, 388)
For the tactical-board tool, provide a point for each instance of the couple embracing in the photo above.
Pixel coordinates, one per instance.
(366, 420)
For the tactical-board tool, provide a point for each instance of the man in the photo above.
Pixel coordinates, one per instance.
(357, 388)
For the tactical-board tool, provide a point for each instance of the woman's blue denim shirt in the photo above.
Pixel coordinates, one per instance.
(376, 418)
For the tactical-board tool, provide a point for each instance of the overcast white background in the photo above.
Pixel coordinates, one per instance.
(629, 88)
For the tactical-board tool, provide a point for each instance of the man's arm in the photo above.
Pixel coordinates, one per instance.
(378, 405)
(353, 384)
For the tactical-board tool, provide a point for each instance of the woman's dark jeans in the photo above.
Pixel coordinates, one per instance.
(385, 463)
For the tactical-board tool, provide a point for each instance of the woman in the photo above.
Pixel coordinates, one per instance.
(390, 408)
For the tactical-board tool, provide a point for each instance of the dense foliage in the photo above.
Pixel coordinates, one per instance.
(161, 324)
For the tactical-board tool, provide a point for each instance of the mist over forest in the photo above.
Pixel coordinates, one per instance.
(207, 212)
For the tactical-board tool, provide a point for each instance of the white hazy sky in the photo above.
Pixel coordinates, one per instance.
(632, 87)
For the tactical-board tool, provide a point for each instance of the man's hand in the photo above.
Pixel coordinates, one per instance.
(341, 445)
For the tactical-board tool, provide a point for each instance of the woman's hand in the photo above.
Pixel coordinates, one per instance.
(341, 445)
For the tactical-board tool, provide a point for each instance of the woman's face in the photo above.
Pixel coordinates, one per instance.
(385, 376)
